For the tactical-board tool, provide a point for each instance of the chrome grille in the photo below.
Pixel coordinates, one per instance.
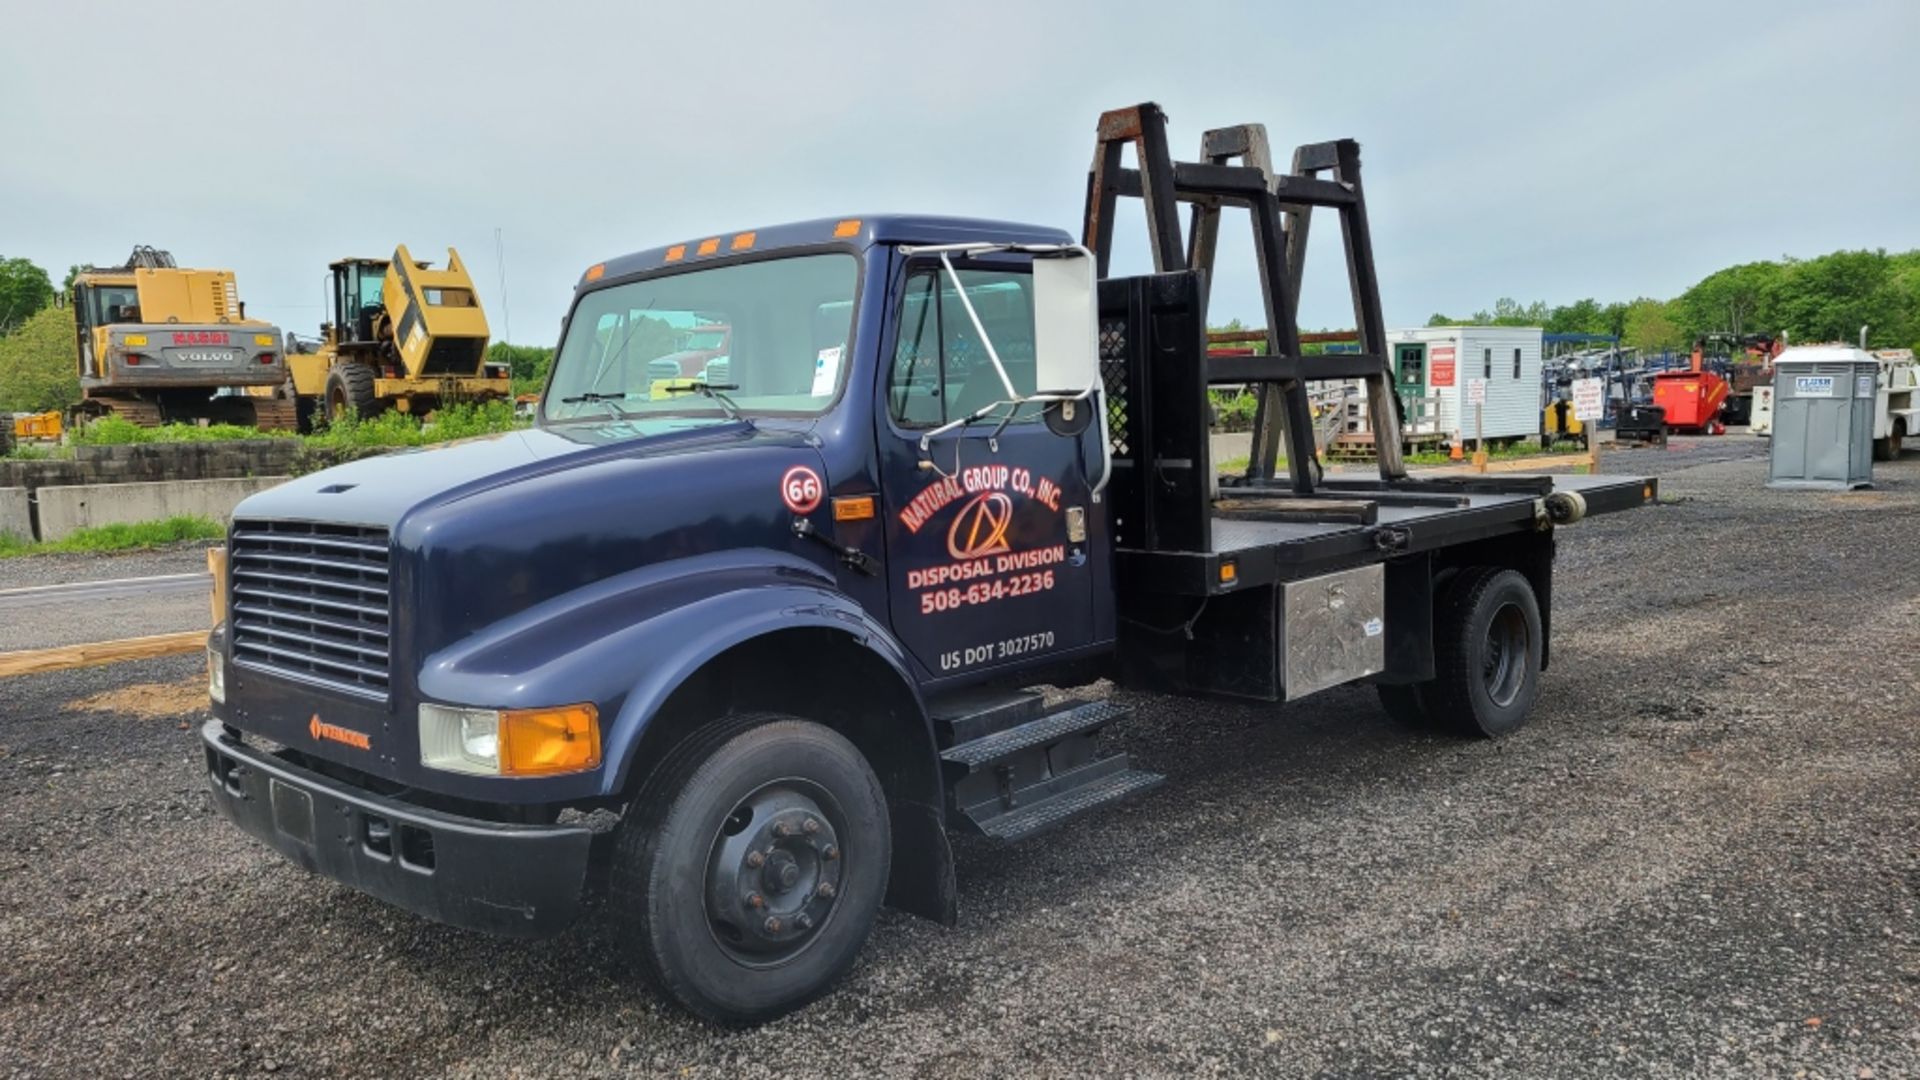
(309, 600)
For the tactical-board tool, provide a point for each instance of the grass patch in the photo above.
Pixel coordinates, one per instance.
(119, 431)
(398, 429)
(1237, 466)
(31, 452)
(389, 430)
(138, 535)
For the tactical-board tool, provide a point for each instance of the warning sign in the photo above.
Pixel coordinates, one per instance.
(1440, 366)
(1476, 391)
(1589, 399)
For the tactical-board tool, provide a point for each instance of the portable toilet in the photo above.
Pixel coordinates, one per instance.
(1435, 366)
(1823, 408)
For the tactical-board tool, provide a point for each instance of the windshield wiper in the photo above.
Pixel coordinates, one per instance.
(712, 390)
(595, 397)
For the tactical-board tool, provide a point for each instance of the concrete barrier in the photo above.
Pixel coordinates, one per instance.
(83, 506)
(16, 516)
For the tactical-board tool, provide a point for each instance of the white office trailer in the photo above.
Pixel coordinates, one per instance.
(1436, 367)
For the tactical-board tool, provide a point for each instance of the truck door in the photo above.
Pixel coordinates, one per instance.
(988, 561)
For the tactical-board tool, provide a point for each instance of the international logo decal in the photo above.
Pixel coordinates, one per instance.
(980, 528)
(320, 729)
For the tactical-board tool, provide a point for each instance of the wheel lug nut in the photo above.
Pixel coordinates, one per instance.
(756, 900)
(774, 924)
(805, 921)
(755, 859)
(812, 825)
(783, 829)
(829, 853)
(825, 889)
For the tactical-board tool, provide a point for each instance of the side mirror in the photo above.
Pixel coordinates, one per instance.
(1066, 333)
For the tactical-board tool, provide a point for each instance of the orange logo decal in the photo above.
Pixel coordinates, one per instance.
(320, 729)
(980, 528)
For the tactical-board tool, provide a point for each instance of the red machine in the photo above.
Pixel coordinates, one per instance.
(1692, 399)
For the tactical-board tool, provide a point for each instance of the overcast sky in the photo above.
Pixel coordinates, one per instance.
(1533, 150)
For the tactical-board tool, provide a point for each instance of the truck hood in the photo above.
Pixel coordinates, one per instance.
(378, 491)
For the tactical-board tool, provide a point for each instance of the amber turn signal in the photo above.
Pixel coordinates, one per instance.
(539, 742)
(852, 507)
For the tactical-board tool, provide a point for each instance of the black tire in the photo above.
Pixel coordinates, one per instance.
(705, 840)
(1889, 448)
(1487, 642)
(350, 389)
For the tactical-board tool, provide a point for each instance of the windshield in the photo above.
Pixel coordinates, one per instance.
(114, 304)
(783, 325)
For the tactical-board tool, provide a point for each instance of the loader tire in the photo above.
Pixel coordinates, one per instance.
(350, 390)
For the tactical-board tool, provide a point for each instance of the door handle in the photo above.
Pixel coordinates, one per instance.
(851, 557)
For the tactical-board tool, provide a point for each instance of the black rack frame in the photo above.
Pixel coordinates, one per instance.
(1280, 207)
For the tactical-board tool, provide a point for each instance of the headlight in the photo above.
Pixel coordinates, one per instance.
(216, 677)
(514, 742)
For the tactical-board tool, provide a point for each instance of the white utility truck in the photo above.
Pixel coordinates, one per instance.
(1896, 397)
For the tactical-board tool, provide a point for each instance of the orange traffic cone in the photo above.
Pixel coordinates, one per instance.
(1454, 453)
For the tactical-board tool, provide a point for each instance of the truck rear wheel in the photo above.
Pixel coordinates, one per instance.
(350, 390)
(746, 877)
(1889, 448)
(1487, 643)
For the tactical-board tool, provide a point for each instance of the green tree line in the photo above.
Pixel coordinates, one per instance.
(1828, 298)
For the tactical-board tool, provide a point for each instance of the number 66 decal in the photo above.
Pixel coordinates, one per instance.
(801, 489)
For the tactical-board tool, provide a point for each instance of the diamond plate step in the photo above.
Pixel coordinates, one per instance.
(1047, 729)
(1049, 813)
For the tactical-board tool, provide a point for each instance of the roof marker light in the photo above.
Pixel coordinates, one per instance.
(595, 271)
(742, 242)
(849, 227)
(676, 252)
(709, 246)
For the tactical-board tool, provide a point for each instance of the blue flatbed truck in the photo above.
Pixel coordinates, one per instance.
(732, 659)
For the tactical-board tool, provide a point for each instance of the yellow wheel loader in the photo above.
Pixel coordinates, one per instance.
(403, 336)
(157, 344)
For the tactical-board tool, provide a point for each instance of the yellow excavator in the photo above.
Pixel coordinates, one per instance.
(403, 336)
(157, 344)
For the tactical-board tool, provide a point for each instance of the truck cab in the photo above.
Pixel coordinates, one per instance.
(738, 655)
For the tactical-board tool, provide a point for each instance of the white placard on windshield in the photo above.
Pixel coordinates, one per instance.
(826, 371)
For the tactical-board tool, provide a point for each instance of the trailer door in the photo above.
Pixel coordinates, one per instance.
(988, 560)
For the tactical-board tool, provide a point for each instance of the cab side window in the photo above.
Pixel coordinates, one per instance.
(941, 371)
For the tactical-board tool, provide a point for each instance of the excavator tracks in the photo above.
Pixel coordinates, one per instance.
(133, 410)
(276, 414)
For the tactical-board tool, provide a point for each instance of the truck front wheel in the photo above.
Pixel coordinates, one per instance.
(1487, 643)
(747, 875)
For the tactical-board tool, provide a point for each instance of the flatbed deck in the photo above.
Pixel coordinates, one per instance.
(1406, 517)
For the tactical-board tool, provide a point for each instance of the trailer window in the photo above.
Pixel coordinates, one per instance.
(1516, 363)
(941, 371)
(1486, 364)
(772, 335)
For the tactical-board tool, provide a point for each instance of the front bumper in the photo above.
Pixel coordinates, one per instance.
(513, 880)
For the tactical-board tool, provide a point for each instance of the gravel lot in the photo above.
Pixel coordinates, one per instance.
(1699, 859)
